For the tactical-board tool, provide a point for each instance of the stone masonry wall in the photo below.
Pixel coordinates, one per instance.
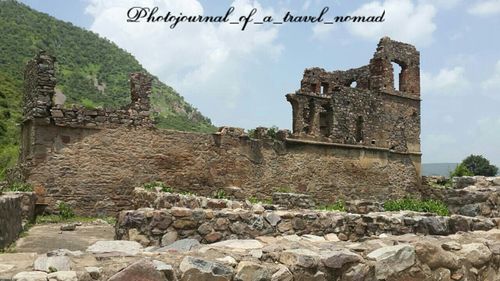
(362, 106)
(95, 171)
(93, 158)
(10, 219)
(210, 226)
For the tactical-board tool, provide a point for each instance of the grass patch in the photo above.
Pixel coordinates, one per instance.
(220, 194)
(65, 211)
(20, 187)
(409, 204)
(339, 205)
(155, 184)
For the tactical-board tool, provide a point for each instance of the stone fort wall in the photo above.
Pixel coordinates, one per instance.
(93, 158)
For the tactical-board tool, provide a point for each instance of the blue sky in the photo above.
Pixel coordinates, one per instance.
(240, 78)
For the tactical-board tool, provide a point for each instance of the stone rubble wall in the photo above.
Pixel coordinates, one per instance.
(468, 196)
(210, 226)
(10, 218)
(96, 171)
(158, 199)
(289, 200)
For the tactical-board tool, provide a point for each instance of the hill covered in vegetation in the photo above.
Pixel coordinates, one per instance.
(91, 71)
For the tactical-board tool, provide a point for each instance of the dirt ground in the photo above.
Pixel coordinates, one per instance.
(46, 237)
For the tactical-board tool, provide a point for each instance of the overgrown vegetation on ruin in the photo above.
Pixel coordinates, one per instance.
(410, 204)
(255, 200)
(158, 184)
(19, 187)
(66, 214)
(91, 71)
(339, 205)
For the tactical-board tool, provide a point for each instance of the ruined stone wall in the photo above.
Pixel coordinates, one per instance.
(10, 219)
(362, 106)
(93, 158)
(95, 171)
(210, 226)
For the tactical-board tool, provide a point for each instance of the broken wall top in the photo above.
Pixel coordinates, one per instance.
(39, 90)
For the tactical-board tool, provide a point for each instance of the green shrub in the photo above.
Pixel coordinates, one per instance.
(88, 103)
(339, 205)
(409, 204)
(9, 154)
(251, 133)
(155, 184)
(220, 194)
(480, 166)
(20, 186)
(65, 210)
(461, 171)
(272, 132)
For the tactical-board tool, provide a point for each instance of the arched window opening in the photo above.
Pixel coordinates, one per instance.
(396, 73)
(324, 88)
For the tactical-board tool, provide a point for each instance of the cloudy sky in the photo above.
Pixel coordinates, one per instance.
(240, 78)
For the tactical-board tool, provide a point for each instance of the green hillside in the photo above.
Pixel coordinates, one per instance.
(90, 70)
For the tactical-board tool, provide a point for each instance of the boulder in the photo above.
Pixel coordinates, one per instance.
(392, 259)
(435, 257)
(250, 271)
(476, 253)
(30, 276)
(282, 274)
(164, 268)
(197, 269)
(300, 257)
(94, 272)
(143, 270)
(52, 263)
(272, 218)
(338, 258)
(62, 276)
(437, 225)
(68, 227)
(115, 248)
(182, 246)
(169, 238)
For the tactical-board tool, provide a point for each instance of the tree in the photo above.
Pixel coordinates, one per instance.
(480, 166)
(461, 171)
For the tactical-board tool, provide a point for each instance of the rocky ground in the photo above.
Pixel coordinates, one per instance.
(462, 256)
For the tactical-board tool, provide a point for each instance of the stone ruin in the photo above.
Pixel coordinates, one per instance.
(351, 143)
(360, 144)
(361, 106)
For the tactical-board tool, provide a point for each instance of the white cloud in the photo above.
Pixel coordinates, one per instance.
(447, 81)
(322, 31)
(195, 58)
(485, 8)
(444, 4)
(493, 83)
(404, 21)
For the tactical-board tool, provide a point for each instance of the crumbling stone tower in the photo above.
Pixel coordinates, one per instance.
(362, 107)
